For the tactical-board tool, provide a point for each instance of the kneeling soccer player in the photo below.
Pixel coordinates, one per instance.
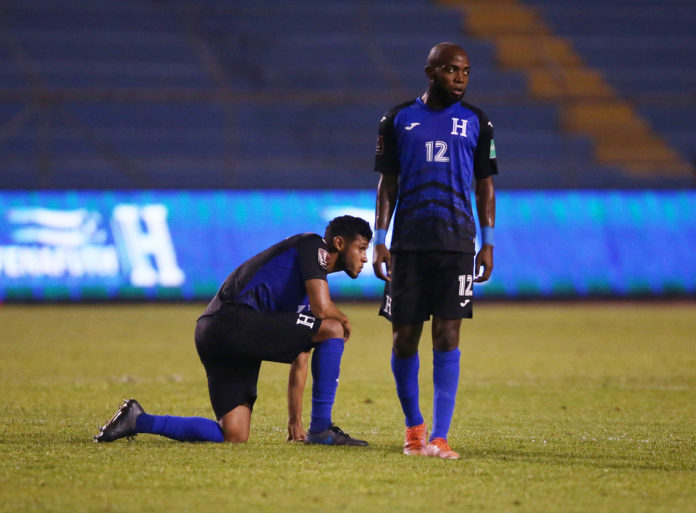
(274, 307)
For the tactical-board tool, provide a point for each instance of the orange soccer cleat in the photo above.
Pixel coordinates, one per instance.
(439, 448)
(415, 440)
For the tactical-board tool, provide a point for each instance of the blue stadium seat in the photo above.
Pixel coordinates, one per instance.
(645, 49)
(276, 94)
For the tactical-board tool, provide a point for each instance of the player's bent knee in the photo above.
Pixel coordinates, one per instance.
(235, 437)
(330, 328)
(236, 424)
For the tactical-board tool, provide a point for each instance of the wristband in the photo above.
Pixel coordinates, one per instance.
(380, 236)
(487, 236)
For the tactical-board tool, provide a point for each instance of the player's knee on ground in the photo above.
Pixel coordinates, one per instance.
(236, 424)
(330, 328)
(235, 437)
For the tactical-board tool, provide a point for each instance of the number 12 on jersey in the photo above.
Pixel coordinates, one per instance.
(466, 283)
(436, 151)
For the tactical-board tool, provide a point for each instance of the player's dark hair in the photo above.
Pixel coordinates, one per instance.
(348, 227)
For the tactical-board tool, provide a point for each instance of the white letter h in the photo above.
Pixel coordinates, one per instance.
(146, 247)
(459, 124)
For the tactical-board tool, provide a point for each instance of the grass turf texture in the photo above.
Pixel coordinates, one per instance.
(561, 408)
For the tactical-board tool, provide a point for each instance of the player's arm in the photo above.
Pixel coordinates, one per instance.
(296, 386)
(322, 306)
(387, 192)
(485, 206)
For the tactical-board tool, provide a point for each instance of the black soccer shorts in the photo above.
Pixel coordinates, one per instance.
(232, 347)
(425, 283)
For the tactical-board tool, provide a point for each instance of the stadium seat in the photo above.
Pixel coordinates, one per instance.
(214, 94)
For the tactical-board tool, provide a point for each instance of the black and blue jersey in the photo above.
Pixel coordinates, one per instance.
(436, 154)
(274, 280)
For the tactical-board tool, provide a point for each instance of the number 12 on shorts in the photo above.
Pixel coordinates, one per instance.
(466, 283)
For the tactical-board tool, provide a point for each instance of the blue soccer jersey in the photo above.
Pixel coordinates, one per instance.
(436, 154)
(274, 280)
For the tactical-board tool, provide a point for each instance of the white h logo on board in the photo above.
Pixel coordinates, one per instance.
(143, 232)
(459, 124)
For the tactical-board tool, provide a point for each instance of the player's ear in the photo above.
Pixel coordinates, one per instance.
(339, 243)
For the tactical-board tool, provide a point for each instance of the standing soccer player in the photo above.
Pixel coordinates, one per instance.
(274, 307)
(428, 151)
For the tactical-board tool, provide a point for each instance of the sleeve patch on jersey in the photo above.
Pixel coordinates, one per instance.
(323, 257)
(492, 154)
(380, 145)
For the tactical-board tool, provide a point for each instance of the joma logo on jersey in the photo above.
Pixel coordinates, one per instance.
(459, 126)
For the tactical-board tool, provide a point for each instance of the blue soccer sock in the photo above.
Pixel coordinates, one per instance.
(445, 382)
(326, 366)
(405, 372)
(183, 429)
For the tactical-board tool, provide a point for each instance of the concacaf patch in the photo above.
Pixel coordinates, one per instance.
(323, 257)
(380, 145)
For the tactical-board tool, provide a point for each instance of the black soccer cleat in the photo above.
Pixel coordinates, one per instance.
(122, 424)
(334, 435)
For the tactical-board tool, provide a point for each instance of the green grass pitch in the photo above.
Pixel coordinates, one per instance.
(561, 408)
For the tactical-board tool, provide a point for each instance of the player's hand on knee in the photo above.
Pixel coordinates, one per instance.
(346, 330)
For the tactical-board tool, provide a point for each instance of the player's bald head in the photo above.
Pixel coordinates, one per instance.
(444, 52)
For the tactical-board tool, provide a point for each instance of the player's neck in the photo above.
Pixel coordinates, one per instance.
(435, 102)
(333, 264)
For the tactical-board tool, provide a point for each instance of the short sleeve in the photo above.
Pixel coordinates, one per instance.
(485, 163)
(386, 157)
(313, 257)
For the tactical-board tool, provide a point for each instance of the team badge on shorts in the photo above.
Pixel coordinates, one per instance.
(323, 257)
(385, 309)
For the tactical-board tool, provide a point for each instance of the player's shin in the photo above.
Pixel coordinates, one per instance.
(183, 429)
(405, 372)
(445, 382)
(326, 366)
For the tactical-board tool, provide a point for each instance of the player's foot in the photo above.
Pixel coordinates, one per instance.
(122, 424)
(439, 448)
(334, 435)
(414, 445)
